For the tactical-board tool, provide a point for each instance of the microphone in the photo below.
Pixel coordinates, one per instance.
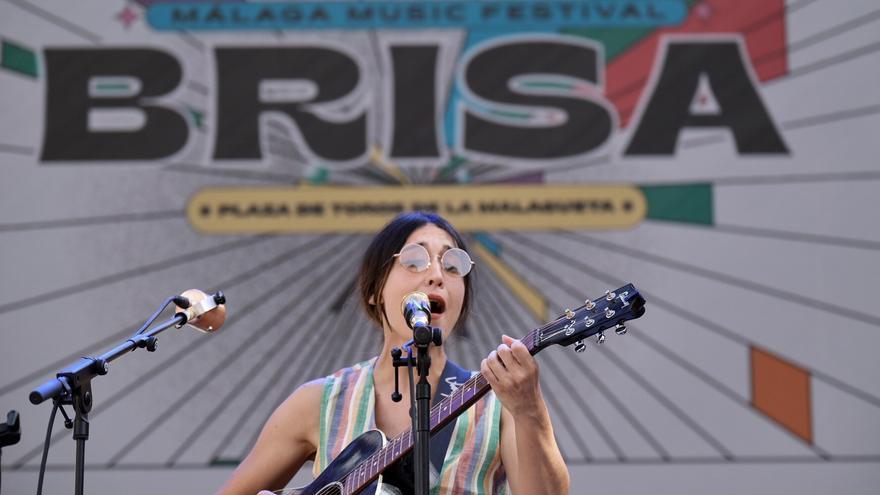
(416, 310)
(206, 313)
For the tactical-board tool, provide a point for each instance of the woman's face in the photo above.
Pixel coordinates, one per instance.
(445, 291)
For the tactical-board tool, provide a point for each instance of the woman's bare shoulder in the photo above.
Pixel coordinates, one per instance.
(302, 407)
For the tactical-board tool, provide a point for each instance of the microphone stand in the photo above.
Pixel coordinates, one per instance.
(423, 337)
(72, 385)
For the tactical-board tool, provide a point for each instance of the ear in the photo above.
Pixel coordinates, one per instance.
(371, 301)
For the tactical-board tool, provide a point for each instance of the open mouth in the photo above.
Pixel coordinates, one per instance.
(438, 305)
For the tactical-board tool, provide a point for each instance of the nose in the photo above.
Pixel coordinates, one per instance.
(435, 274)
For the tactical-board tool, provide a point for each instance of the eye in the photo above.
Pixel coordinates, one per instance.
(411, 265)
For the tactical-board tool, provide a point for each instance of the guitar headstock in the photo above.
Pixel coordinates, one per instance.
(595, 316)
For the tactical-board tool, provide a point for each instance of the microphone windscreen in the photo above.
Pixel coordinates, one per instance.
(209, 322)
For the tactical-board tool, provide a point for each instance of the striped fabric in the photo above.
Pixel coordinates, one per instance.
(472, 464)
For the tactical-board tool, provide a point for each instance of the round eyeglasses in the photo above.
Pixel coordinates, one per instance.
(415, 258)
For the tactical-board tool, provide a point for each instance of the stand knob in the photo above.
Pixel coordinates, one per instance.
(102, 367)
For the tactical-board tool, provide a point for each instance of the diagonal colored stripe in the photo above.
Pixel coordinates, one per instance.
(527, 294)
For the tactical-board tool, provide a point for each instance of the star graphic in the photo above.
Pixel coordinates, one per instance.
(127, 16)
(704, 11)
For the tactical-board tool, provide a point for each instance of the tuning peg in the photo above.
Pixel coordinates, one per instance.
(620, 329)
(600, 338)
(579, 346)
(609, 296)
(609, 312)
(589, 304)
(569, 314)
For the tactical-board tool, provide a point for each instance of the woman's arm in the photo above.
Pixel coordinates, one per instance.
(529, 452)
(289, 438)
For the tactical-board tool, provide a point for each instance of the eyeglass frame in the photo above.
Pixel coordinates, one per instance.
(440, 256)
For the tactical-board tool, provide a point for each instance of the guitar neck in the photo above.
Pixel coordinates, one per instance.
(441, 414)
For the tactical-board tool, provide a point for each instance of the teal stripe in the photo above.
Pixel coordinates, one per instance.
(360, 420)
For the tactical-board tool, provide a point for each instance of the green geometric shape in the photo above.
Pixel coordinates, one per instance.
(615, 40)
(225, 462)
(450, 168)
(18, 59)
(197, 116)
(683, 203)
(319, 175)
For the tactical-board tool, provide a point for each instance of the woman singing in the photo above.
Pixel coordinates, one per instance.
(502, 444)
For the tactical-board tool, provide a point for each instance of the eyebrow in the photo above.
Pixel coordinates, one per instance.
(446, 247)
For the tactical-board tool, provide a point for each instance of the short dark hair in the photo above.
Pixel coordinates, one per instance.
(378, 261)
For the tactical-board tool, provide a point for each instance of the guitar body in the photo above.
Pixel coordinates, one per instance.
(358, 450)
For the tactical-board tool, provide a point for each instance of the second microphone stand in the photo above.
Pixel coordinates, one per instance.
(73, 385)
(423, 337)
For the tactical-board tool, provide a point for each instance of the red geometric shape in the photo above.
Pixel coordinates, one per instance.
(761, 22)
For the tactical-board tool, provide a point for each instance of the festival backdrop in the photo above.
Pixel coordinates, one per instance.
(719, 154)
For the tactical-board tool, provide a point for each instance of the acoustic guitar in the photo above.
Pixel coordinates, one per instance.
(359, 468)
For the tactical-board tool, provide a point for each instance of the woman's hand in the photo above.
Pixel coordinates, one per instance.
(529, 451)
(513, 374)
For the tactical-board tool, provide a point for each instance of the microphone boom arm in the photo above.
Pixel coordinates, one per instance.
(82, 371)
